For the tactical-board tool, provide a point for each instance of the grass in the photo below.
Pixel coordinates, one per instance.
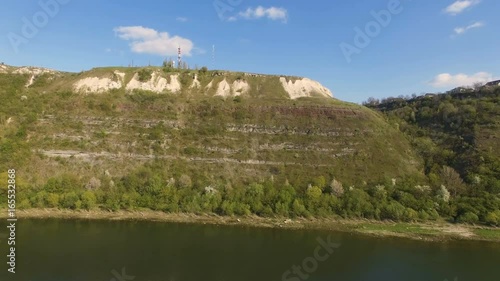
(490, 234)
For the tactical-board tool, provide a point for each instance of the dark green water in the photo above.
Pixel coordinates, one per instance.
(59, 250)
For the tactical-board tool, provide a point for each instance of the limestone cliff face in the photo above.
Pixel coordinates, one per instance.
(230, 85)
(223, 84)
(304, 88)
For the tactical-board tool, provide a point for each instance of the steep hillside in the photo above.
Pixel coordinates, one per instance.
(456, 129)
(458, 136)
(230, 127)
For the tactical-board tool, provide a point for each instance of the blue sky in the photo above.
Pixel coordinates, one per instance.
(425, 46)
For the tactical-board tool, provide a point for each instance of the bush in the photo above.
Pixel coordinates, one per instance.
(185, 181)
(144, 75)
(89, 200)
(468, 217)
(393, 211)
(70, 201)
(52, 200)
(410, 215)
(227, 208)
(203, 70)
(493, 218)
(298, 209)
(25, 204)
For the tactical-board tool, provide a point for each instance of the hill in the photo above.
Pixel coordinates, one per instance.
(202, 141)
(458, 136)
(457, 129)
(246, 125)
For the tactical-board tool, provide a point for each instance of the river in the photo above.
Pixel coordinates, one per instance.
(80, 250)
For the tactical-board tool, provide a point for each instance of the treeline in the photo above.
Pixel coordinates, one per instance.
(153, 187)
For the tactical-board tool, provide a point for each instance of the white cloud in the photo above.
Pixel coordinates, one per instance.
(181, 19)
(272, 13)
(459, 6)
(461, 30)
(447, 80)
(149, 41)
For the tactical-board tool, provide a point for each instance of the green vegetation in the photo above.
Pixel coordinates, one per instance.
(457, 135)
(171, 187)
(145, 75)
(491, 234)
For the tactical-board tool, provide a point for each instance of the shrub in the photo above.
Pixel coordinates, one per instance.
(393, 211)
(89, 200)
(299, 210)
(69, 200)
(52, 200)
(410, 215)
(185, 181)
(336, 188)
(468, 217)
(493, 218)
(25, 204)
(144, 75)
(203, 70)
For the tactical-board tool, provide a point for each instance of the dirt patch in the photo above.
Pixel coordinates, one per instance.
(457, 230)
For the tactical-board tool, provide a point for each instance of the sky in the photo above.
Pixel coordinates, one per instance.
(356, 48)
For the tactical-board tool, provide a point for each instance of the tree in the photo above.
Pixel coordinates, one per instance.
(468, 217)
(477, 86)
(89, 200)
(452, 180)
(320, 182)
(70, 200)
(299, 209)
(203, 70)
(313, 196)
(443, 193)
(52, 200)
(372, 102)
(93, 184)
(336, 188)
(493, 218)
(168, 65)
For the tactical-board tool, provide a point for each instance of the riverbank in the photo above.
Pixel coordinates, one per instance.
(419, 231)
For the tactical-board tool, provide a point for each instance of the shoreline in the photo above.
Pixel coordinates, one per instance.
(432, 232)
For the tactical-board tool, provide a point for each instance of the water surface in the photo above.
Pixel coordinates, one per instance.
(78, 250)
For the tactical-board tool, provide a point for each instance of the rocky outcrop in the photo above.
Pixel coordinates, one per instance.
(238, 87)
(304, 88)
(96, 85)
(33, 70)
(157, 83)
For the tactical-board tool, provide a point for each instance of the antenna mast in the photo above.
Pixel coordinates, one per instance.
(179, 57)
